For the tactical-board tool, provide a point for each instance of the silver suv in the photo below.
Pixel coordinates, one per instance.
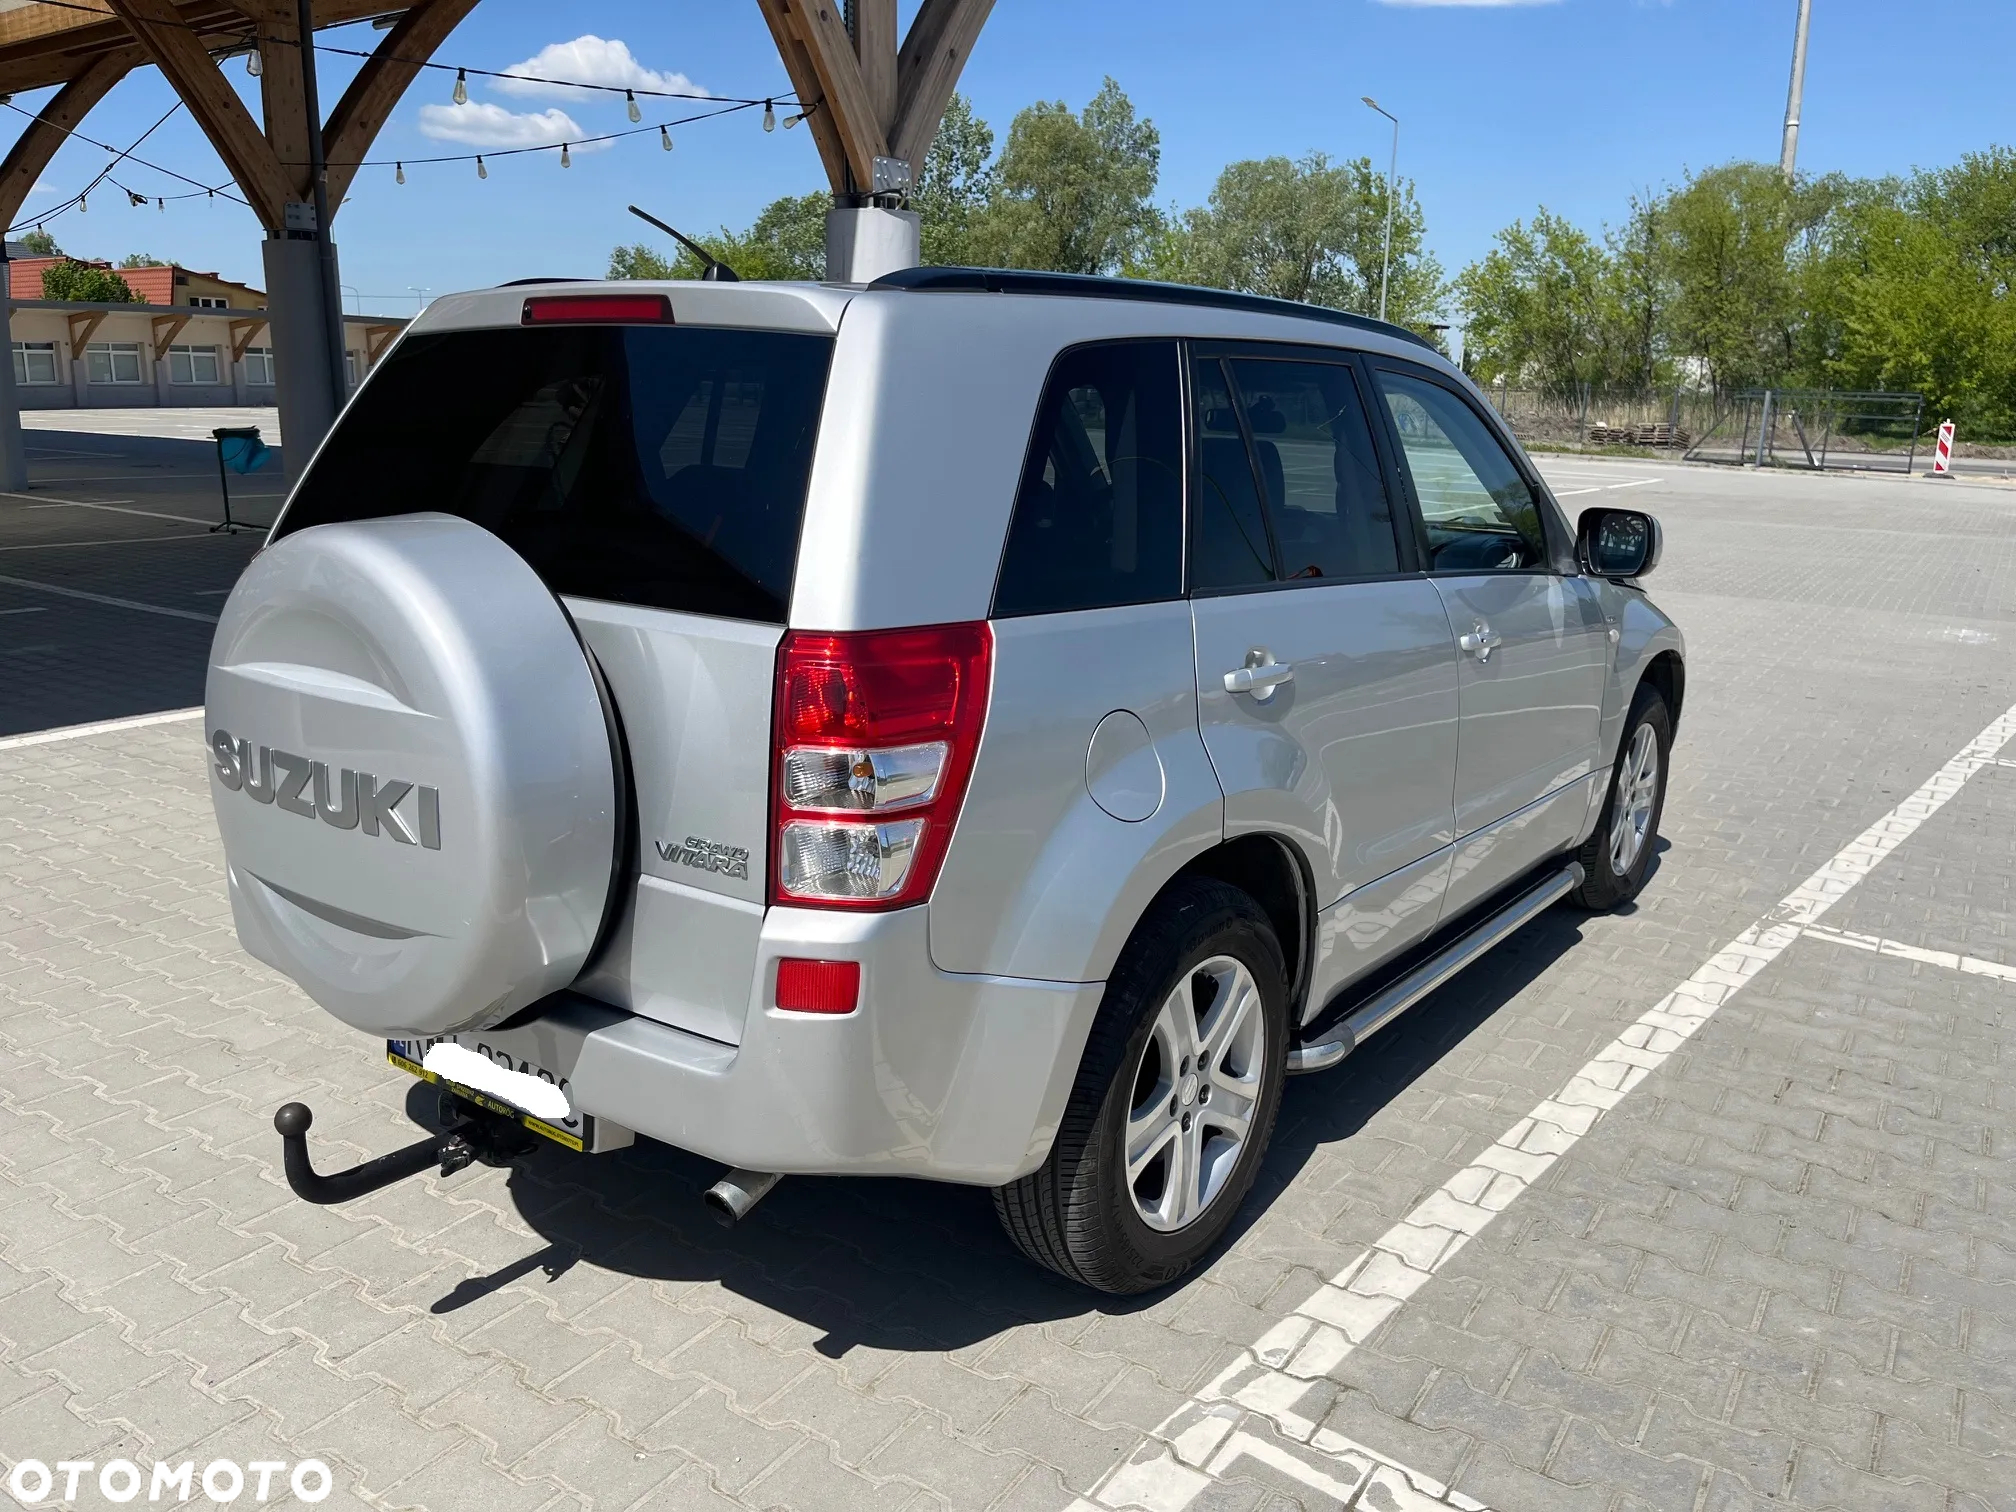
(982, 726)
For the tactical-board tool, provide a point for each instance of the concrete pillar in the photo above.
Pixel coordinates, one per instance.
(300, 335)
(863, 243)
(13, 448)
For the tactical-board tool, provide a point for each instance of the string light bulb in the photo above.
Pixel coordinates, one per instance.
(793, 120)
(461, 94)
(769, 116)
(161, 205)
(565, 160)
(481, 171)
(252, 64)
(399, 172)
(664, 139)
(82, 205)
(631, 97)
(137, 201)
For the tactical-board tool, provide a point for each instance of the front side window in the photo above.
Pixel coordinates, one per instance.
(192, 364)
(1325, 493)
(1099, 514)
(34, 362)
(259, 365)
(655, 465)
(112, 362)
(1481, 516)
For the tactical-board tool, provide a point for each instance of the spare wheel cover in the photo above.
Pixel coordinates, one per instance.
(412, 771)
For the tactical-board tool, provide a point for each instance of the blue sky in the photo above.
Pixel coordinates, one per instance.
(1575, 104)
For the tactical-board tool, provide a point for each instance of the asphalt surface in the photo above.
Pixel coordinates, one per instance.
(1705, 1204)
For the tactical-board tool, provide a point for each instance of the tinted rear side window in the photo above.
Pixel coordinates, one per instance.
(646, 465)
(1099, 515)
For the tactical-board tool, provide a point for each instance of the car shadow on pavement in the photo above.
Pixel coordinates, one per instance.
(910, 1265)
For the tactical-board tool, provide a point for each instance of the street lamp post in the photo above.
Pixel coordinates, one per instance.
(1392, 169)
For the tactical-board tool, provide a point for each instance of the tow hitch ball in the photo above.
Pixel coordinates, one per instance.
(487, 1138)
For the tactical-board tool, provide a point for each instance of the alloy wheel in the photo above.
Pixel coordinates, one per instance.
(1637, 788)
(1196, 1087)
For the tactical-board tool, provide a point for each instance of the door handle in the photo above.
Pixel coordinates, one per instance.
(1260, 676)
(1479, 642)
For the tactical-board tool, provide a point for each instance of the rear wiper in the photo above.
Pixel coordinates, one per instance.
(714, 270)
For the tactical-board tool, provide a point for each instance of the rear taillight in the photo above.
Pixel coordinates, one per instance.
(875, 736)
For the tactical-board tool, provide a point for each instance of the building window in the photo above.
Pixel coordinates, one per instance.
(34, 362)
(112, 362)
(259, 366)
(209, 302)
(350, 368)
(192, 364)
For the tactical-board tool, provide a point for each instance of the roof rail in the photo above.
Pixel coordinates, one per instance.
(1089, 286)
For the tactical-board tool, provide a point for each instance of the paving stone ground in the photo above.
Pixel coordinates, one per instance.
(1780, 1274)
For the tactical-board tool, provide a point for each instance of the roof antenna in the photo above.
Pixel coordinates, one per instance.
(716, 271)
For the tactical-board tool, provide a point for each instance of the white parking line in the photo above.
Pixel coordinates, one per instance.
(1973, 965)
(1563, 493)
(106, 598)
(1271, 1378)
(103, 727)
(115, 506)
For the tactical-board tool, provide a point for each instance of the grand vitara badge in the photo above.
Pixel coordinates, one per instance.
(341, 799)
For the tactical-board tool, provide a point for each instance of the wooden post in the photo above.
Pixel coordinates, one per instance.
(870, 99)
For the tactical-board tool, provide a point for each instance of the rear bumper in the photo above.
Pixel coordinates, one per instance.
(955, 1077)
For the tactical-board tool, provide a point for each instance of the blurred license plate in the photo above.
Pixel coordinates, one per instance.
(575, 1129)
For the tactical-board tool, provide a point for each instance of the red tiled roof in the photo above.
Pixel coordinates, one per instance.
(154, 285)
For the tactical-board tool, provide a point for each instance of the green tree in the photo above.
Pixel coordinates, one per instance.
(82, 282)
(1275, 227)
(956, 184)
(41, 243)
(1534, 306)
(787, 241)
(141, 260)
(1073, 192)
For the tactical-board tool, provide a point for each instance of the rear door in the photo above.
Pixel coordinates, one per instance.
(654, 476)
(1326, 675)
(1534, 644)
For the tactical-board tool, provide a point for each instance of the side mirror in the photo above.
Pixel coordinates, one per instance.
(1618, 543)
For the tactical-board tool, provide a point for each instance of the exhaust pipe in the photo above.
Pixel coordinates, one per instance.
(731, 1198)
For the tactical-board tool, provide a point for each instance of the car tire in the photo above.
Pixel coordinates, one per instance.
(1617, 856)
(1206, 950)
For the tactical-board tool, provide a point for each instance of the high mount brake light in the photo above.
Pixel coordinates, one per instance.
(598, 309)
(876, 732)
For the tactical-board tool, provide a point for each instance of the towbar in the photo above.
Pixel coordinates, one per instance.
(491, 1141)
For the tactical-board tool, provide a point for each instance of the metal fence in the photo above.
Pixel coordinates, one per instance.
(1605, 417)
(1817, 429)
(1805, 428)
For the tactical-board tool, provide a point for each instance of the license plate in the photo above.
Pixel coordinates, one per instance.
(576, 1131)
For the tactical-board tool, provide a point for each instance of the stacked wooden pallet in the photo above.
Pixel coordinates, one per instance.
(1645, 433)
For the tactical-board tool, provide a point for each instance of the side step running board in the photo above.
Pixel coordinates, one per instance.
(1376, 1012)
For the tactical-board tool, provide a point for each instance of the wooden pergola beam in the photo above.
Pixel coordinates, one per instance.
(42, 45)
(367, 104)
(53, 124)
(805, 83)
(934, 54)
(242, 332)
(188, 66)
(872, 98)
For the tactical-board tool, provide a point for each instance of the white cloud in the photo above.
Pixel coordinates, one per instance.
(588, 60)
(479, 124)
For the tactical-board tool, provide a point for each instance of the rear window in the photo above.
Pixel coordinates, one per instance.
(1099, 515)
(653, 465)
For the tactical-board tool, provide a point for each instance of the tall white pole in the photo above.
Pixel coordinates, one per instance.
(1392, 170)
(1788, 157)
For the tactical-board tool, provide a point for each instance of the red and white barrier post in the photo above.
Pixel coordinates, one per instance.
(1942, 453)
